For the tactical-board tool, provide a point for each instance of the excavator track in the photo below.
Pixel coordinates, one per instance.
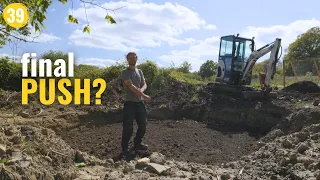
(249, 93)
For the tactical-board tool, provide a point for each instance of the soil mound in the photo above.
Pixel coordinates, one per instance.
(303, 87)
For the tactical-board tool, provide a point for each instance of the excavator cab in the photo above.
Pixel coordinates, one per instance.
(233, 55)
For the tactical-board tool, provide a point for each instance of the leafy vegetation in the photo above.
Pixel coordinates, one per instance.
(37, 12)
(157, 78)
(208, 68)
(307, 45)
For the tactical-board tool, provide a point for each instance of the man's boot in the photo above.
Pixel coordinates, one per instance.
(138, 145)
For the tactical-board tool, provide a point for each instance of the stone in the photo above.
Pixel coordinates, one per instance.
(302, 136)
(293, 158)
(128, 168)
(79, 157)
(9, 131)
(110, 160)
(16, 139)
(225, 176)
(44, 132)
(143, 162)
(48, 158)
(3, 149)
(287, 144)
(157, 158)
(317, 175)
(314, 128)
(316, 102)
(305, 160)
(302, 148)
(114, 175)
(157, 168)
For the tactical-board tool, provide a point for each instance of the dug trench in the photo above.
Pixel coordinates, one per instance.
(193, 124)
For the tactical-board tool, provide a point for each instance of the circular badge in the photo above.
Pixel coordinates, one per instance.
(16, 15)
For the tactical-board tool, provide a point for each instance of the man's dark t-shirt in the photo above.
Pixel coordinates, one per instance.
(136, 77)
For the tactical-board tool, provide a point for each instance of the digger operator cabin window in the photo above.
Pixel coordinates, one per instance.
(226, 46)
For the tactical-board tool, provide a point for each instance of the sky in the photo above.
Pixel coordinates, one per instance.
(166, 32)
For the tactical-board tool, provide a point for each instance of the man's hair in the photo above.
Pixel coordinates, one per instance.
(131, 53)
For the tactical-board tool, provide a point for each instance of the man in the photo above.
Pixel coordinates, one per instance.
(134, 107)
(262, 75)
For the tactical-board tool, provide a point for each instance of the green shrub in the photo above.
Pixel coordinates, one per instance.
(112, 72)
(150, 71)
(10, 74)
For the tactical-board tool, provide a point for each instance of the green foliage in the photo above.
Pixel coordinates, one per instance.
(73, 19)
(37, 13)
(259, 67)
(86, 29)
(162, 80)
(192, 78)
(110, 19)
(112, 72)
(83, 71)
(10, 74)
(208, 69)
(307, 45)
(185, 67)
(150, 71)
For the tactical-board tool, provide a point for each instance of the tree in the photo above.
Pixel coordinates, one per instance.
(185, 67)
(150, 70)
(307, 45)
(37, 13)
(208, 69)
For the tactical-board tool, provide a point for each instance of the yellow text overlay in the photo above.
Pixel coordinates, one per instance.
(47, 90)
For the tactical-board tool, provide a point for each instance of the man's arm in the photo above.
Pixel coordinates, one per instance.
(133, 88)
(144, 84)
(128, 83)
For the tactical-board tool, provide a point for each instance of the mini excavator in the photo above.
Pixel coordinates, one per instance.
(237, 57)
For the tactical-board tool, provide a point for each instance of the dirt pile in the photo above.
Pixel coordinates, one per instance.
(28, 152)
(303, 87)
(294, 156)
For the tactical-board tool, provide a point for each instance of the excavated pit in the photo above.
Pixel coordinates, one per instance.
(194, 124)
(263, 139)
(193, 134)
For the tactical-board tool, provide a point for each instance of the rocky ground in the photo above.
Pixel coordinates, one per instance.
(193, 133)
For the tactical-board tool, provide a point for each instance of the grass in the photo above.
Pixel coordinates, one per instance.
(191, 78)
(278, 80)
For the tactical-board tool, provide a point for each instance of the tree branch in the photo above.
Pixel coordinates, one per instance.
(14, 36)
(85, 11)
(95, 4)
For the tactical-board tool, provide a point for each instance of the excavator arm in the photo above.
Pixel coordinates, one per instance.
(271, 64)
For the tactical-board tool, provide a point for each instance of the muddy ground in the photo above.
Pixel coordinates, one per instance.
(184, 140)
(201, 133)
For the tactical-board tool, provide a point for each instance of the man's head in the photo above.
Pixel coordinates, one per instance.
(132, 58)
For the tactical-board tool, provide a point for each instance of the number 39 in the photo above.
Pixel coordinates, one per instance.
(13, 14)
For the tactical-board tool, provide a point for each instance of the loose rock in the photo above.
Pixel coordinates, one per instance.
(287, 144)
(157, 158)
(302, 148)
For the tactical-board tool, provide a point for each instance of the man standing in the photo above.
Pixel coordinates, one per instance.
(134, 107)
